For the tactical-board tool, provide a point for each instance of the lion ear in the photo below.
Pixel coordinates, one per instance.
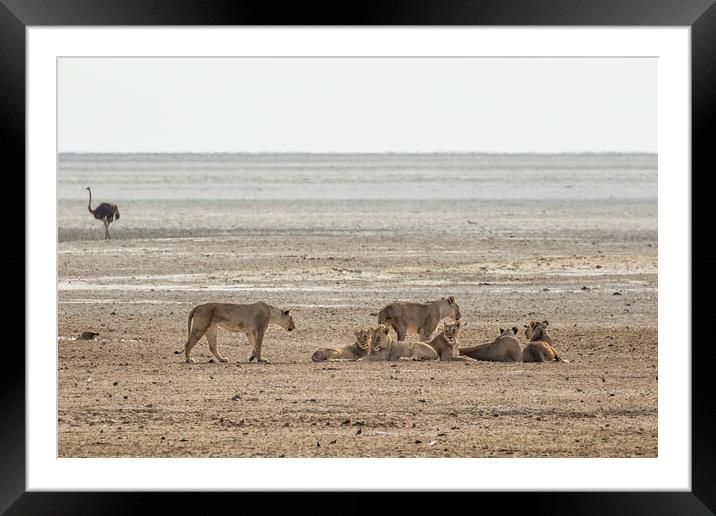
(545, 322)
(526, 326)
(356, 332)
(502, 330)
(451, 299)
(515, 329)
(457, 323)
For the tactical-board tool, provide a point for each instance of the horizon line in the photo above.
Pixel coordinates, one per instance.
(362, 152)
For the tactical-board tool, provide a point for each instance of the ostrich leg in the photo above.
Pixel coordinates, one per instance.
(106, 229)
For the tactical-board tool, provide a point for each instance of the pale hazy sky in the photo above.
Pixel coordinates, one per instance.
(357, 104)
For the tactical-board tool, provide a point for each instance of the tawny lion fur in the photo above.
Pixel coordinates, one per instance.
(423, 318)
(383, 347)
(353, 351)
(252, 319)
(446, 344)
(540, 347)
(505, 348)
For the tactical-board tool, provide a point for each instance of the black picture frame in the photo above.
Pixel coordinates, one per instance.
(700, 15)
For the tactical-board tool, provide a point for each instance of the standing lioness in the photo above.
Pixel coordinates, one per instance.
(422, 318)
(251, 319)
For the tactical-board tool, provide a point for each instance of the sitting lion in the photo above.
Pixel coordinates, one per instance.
(350, 352)
(445, 344)
(383, 347)
(505, 348)
(540, 347)
(253, 319)
(422, 318)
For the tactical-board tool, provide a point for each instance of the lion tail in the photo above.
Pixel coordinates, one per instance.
(559, 358)
(188, 328)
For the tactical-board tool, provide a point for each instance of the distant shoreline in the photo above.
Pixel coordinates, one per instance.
(356, 154)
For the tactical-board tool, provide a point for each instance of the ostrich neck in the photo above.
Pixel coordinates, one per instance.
(89, 203)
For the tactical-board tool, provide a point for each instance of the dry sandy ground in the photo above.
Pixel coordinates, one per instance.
(126, 393)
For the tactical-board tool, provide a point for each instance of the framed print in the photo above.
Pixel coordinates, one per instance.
(424, 250)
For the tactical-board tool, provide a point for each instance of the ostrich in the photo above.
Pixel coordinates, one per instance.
(105, 212)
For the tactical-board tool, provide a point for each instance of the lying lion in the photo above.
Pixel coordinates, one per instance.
(383, 347)
(505, 348)
(251, 319)
(540, 347)
(422, 318)
(353, 351)
(446, 345)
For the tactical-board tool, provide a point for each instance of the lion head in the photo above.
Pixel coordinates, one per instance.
(286, 320)
(509, 332)
(451, 331)
(380, 339)
(363, 337)
(535, 330)
(529, 327)
(454, 308)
